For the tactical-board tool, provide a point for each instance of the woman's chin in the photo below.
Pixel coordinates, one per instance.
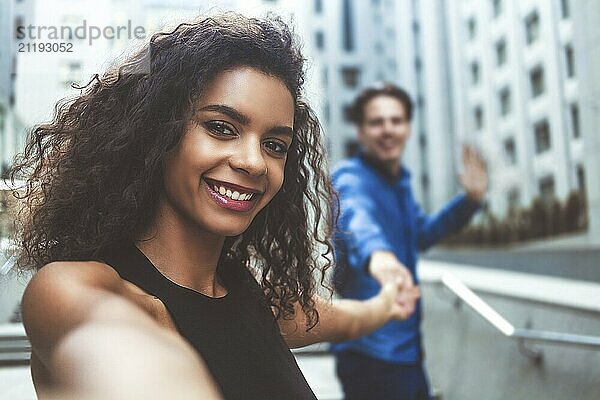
(229, 229)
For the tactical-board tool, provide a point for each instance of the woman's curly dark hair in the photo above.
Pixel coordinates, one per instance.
(94, 173)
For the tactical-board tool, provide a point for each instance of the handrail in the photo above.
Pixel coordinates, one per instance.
(15, 348)
(541, 289)
(507, 329)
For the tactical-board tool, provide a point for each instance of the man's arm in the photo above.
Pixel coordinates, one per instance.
(359, 228)
(458, 212)
(365, 239)
(452, 217)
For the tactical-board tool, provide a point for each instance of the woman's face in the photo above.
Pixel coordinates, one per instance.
(231, 159)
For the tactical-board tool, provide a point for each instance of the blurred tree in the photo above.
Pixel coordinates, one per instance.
(537, 226)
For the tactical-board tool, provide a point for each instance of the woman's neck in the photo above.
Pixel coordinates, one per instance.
(183, 253)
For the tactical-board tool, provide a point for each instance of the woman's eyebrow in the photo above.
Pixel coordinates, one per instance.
(282, 131)
(229, 111)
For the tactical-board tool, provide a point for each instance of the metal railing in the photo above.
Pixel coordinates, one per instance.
(15, 348)
(507, 329)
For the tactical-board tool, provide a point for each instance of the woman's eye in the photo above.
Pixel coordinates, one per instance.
(220, 128)
(277, 147)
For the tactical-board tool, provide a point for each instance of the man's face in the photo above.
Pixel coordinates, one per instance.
(385, 129)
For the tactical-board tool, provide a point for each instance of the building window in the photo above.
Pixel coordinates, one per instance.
(542, 137)
(71, 72)
(318, 6)
(532, 27)
(478, 118)
(347, 28)
(505, 102)
(546, 185)
(418, 63)
(347, 113)
(581, 178)
(536, 78)
(497, 7)
(327, 112)
(379, 48)
(18, 23)
(325, 77)
(1, 121)
(475, 73)
(472, 27)
(514, 198)
(501, 52)
(564, 8)
(575, 120)
(570, 61)
(415, 26)
(350, 76)
(425, 180)
(423, 140)
(510, 151)
(320, 40)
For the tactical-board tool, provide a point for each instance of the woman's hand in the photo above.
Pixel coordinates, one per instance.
(348, 319)
(398, 291)
(399, 298)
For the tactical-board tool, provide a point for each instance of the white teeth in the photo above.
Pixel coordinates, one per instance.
(235, 195)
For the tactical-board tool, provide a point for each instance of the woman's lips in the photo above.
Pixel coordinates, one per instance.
(229, 203)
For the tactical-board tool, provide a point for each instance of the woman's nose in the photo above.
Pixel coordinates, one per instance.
(249, 158)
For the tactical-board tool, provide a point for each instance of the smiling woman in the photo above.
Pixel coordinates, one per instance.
(237, 145)
(166, 219)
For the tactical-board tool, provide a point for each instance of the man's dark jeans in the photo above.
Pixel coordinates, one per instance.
(366, 378)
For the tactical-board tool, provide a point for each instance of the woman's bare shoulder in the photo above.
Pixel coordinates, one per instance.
(87, 273)
(61, 296)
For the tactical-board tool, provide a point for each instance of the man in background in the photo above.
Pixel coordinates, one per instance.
(381, 230)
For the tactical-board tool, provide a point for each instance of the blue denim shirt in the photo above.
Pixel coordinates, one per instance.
(378, 212)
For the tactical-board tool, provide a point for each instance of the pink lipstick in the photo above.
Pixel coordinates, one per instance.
(227, 202)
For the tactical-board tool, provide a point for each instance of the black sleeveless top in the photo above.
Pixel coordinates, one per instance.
(236, 335)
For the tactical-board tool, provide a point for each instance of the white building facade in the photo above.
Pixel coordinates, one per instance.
(358, 43)
(586, 36)
(11, 128)
(516, 94)
(506, 75)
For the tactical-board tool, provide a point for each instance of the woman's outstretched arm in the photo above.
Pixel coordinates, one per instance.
(346, 319)
(90, 341)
